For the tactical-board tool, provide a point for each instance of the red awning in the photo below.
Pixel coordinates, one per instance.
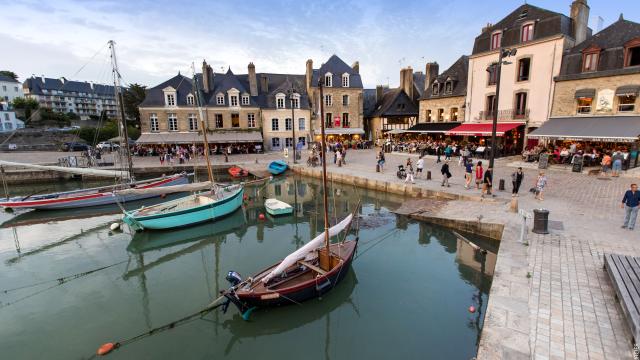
(483, 129)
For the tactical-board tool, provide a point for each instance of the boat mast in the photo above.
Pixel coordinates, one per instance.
(325, 201)
(202, 124)
(124, 133)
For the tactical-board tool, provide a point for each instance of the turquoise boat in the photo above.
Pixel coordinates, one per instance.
(276, 207)
(186, 211)
(277, 167)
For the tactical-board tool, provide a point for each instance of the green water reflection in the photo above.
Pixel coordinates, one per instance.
(406, 296)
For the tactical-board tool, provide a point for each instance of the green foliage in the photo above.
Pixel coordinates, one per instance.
(131, 99)
(104, 133)
(48, 115)
(9, 73)
(27, 105)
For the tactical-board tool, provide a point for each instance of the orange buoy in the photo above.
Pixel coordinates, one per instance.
(472, 309)
(106, 348)
(261, 217)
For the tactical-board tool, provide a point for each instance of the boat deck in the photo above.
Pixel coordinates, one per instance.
(180, 204)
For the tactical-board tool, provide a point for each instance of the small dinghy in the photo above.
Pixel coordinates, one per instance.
(276, 207)
(238, 172)
(277, 167)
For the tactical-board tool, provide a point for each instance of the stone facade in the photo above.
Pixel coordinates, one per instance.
(301, 117)
(565, 104)
(182, 114)
(447, 104)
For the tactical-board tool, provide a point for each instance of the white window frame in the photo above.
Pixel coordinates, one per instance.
(288, 124)
(154, 125)
(295, 101)
(220, 99)
(170, 99)
(251, 120)
(328, 100)
(275, 124)
(288, 142)
(280, 101)
(345, 80)
(193, 122)
(233, 101)
(190, 99)
(172, 122)
(245, 99)
(328, 80)
(302, 126)
(274, 141)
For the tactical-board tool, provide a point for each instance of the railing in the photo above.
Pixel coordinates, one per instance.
(504, 115)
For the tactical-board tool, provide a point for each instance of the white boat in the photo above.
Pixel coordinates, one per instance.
(276, 207)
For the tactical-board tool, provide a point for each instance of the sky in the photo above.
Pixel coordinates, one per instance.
(156, 39)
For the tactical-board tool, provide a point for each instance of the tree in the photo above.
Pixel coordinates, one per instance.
(132, 97)
(10, 74)
(27, 105)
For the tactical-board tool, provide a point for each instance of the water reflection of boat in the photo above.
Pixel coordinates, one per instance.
(275, 321)
(146, 241)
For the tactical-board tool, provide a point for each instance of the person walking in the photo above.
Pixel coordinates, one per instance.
(446, 174)
(617, 163)
(487, 182)
(381, 160)
(479, 174)
(516, 180)
(419, 166)
(630, 204)
(410, 174)
(447, 152)
(339, 158)
(541, 182)
(606, 164)
(468, 173)
(438, 153)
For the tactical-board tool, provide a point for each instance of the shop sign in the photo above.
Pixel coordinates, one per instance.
(336, 121)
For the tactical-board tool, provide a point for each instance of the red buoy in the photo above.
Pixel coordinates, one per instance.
(261, 217)
(106, 348)
(472, 309)
(245, 197)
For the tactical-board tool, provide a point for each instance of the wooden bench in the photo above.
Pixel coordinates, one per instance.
(312, 267)
(624, 272)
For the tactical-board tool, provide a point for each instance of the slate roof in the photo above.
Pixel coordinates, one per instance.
(337, 67)
(5, 78)
(396, 102)
(368, 102)
(611, 41)
(281, 84)
(458, 72)
(548, 23)
(155, 95)
(36, 85)
(418, 82)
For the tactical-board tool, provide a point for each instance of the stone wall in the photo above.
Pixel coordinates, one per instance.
(565, 104)
(354, 109)
(281, 114)
(183, 117)
(443, 103)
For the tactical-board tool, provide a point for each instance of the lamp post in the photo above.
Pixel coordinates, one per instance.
(503, 53)
(293, 122)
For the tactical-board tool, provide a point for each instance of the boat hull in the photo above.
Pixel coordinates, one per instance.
(304, 291)
(277, 167)
(279, 212)
(185, 217)
(85, 198)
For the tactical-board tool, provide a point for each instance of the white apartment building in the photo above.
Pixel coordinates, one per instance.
(9, 90)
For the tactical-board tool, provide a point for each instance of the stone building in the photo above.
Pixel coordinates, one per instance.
(596, 93)
(343, 98)
(535, 39)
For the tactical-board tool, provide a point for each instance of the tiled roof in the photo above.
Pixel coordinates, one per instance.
(337, 67)
(36, 85)
(611, 41)
(456, 72)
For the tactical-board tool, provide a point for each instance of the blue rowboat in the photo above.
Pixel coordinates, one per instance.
(277, 167)
(186, 211)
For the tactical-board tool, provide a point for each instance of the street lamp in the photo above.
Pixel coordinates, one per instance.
(503, 53)
(291, 92)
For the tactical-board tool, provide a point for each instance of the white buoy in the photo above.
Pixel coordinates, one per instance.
(115, 226)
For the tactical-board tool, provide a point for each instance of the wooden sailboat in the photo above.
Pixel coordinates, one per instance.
(97, 196)
(217, 202)
(308, 272)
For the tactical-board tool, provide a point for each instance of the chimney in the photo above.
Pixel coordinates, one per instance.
(431, 73)
(264, 83)
(379, 93)
(580, 20)
(42, 78)
(487, 27)
(205, 76)
(406, 81)
(309, 75)
(356, 67)
(62, 80)
(253, 80)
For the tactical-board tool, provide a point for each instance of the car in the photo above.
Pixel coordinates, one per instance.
(75, 146)
(106, 145)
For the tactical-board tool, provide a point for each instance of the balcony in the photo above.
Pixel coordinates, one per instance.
(505, 115)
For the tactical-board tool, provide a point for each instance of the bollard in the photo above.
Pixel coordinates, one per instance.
(377, 167)
(501, 185)
(514, 205)
(523, 228)
(540, 221)
(428, 174)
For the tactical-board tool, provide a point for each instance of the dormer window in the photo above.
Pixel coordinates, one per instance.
(233, 99)
(190, 99)
(280, 104)
(448, 87)
(171, 100)
(219, 99)
(526, 33)
(169, 96)
(295, 101)
(245, 99)
(632, 53)
(590, 58)
(436, 88)
(345, 80)
(328, 80)
(496, 40)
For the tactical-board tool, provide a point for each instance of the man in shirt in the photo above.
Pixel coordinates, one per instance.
(630, 203)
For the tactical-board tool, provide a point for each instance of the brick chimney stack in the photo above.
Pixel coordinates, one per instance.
(264, 83)
(580, 20)
(406, 81)
(253, 80)
(309, 75)
(356, 67)
(379, 93)
(205, 76)
(432, 71)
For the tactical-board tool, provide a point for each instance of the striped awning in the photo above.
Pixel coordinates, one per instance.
(585, 93)
(221, 137)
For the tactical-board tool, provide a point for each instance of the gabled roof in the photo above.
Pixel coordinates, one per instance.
(337, 68)
(611, 42)
(547, 23)
(396, 102)
(418, 83)
(36, 85)
(225, 82)
(182, 84)
(5, 78)
(281, 84)
(456, 72)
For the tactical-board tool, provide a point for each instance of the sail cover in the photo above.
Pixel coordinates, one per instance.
(71, 170)
(166, 189)
(312, 245)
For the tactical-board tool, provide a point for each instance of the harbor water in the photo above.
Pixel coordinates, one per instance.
(407, 295)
